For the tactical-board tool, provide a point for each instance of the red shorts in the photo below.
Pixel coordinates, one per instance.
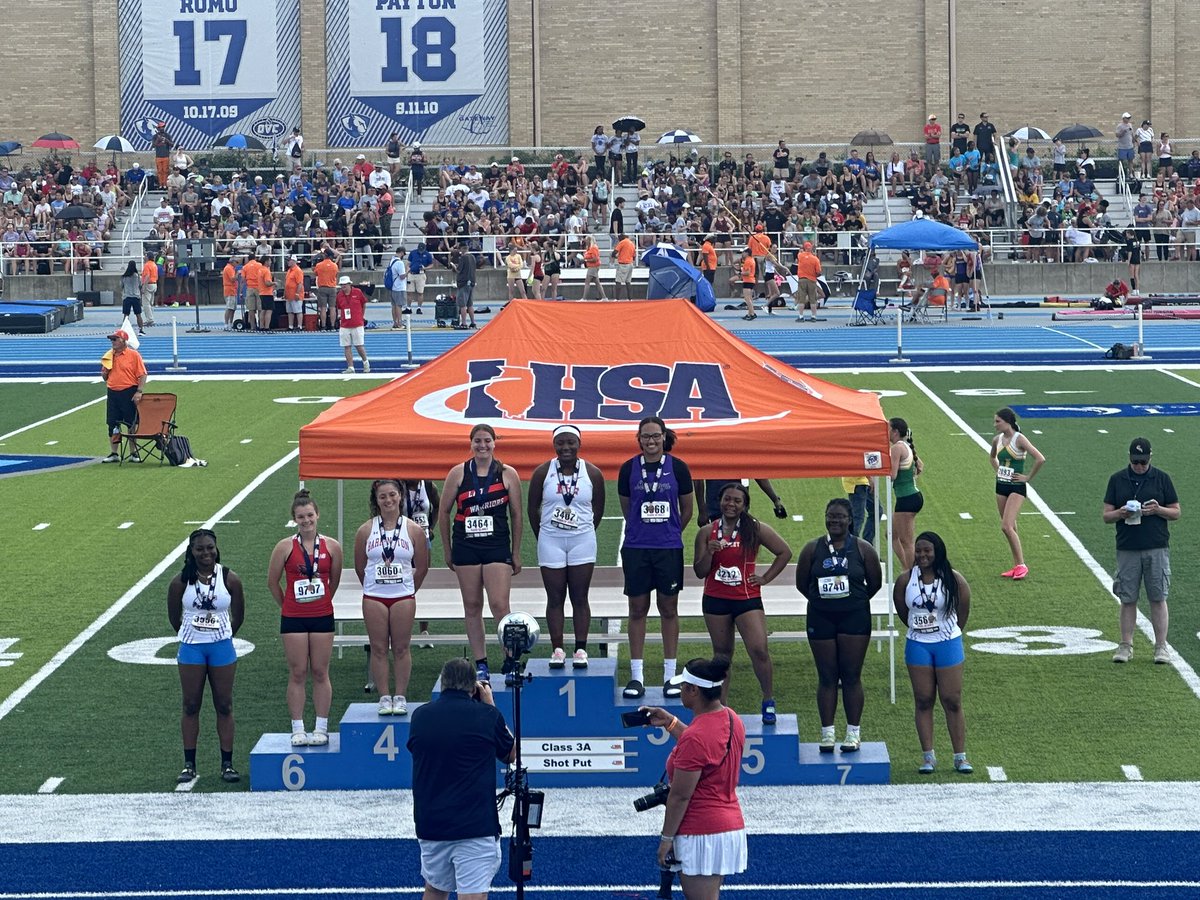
(388, 601)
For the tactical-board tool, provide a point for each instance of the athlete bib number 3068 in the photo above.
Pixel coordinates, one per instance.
(655, 511)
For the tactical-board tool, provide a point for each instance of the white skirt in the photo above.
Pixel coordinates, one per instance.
(712, 854)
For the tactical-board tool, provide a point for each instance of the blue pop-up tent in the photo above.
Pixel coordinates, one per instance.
(923, 234)
(671, 276)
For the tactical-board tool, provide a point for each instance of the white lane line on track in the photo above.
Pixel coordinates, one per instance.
(38, 424)
(997, 773)
(1186, 672)
(41, 526)
(17, 696)
(1071, 336)
(185, 787)
(50, 785)
(125, 525)
(1132, 773)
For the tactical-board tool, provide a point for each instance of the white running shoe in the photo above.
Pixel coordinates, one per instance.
(349, 370)
(558, 659)
(579, 660)
(399, 706)
(366, 367)
(385, 705)
(426, 645)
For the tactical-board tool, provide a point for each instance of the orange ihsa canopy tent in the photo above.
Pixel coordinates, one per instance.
(737, 412)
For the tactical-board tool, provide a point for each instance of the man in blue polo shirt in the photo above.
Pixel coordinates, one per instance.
(418, 261)
(455, 742)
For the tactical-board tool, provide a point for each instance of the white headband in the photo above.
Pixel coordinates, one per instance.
(566, 429)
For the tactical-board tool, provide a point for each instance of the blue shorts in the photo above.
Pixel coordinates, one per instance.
(213, 654)
(1125, 155)
(939, 655)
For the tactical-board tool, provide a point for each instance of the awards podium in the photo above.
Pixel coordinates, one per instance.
(571, 737)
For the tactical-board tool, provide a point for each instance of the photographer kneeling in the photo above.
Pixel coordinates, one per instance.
(703, 830)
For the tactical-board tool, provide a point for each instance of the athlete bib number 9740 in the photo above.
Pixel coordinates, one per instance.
(655, 511)
(833, 587)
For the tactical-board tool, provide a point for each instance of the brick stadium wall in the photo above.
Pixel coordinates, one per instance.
(737, 71)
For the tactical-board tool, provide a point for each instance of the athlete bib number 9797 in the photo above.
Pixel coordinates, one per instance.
(655, 511)
(833, 587)
(308, 591)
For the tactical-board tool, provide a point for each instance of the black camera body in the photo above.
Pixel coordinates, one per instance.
(656, 797)
(515, 638)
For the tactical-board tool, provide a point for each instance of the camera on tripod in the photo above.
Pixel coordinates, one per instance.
(518, 633)
(656, 797)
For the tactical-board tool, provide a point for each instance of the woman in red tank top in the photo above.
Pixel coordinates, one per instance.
(725, 558)
(310, 567)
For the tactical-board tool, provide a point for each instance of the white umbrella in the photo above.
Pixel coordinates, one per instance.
(1029, 133)
(679, 136)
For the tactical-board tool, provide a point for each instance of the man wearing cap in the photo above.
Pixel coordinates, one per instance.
(293, 294)
(229, 287)
(124, 375)
(933, 143)
(416, 165)
(463, 261)
(162, 143)
(985, 136)
(1141, 500)
(149, 285)
(351, 316)
(398, 271)
(624, 255)
(808, 292)
(1124, 132)
(419, 259)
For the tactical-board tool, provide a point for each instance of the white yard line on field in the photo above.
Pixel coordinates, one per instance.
(1179, 377)
(41, 422)
(1190, 678)
(14, 699)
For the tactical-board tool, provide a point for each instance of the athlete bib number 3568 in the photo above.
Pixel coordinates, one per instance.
(656, 511)
(924, 622)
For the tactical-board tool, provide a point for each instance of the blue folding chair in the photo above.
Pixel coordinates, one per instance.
(867, 310)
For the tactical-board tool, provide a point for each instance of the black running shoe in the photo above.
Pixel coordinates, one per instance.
(230, 774)
(188, 774)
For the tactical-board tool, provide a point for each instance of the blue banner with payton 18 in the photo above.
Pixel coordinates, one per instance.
(209, 67)
(431, 70)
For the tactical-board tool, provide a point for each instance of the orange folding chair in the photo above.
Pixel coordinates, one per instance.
(154, 427)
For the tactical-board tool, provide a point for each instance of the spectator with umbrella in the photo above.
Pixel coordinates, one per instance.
(628, 126)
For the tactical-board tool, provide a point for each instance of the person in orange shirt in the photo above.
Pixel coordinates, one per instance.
(293, 294)
(591, 262)
(808, 293)
(708, 259)
(624, 253)
(124, 375)
(937, 295)
(747, 272)
(327, 276)
(253, 296)
(760, 248)
(149, 286)
(229, 288)
(266, 295)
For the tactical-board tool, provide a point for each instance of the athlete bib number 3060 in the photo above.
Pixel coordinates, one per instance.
(655, 511)
(387, 573)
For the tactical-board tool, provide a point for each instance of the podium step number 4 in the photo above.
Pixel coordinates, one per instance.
(571, 737)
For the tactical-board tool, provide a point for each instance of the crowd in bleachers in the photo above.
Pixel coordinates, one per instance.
(36, 237)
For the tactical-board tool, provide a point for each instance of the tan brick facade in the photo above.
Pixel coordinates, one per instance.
(735, 71)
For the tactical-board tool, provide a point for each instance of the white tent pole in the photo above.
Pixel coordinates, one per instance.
(890, 580)
(341, 508)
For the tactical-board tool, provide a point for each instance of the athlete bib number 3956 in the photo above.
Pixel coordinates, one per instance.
(206, 622)
(833, 587)
(478, 526)
(656, 511)
(308, 591)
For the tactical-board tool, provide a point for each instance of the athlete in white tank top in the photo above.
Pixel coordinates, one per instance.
(389, 570)
(206, 611)
(567, 500)
(928, 619)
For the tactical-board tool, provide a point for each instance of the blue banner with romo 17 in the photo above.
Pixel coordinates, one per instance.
(208, 68)
(434, 71)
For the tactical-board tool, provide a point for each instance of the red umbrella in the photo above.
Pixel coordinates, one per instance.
(57, 141)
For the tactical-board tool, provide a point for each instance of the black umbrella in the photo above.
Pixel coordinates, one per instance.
(1078, 132)
(75, 211)
(628, 123)
(871, 138)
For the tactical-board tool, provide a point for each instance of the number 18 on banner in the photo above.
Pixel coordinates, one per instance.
(414, 62)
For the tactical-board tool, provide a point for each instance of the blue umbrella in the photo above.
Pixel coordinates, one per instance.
(239, 142)
(679, 136)
(664, 250)
(7, 147)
